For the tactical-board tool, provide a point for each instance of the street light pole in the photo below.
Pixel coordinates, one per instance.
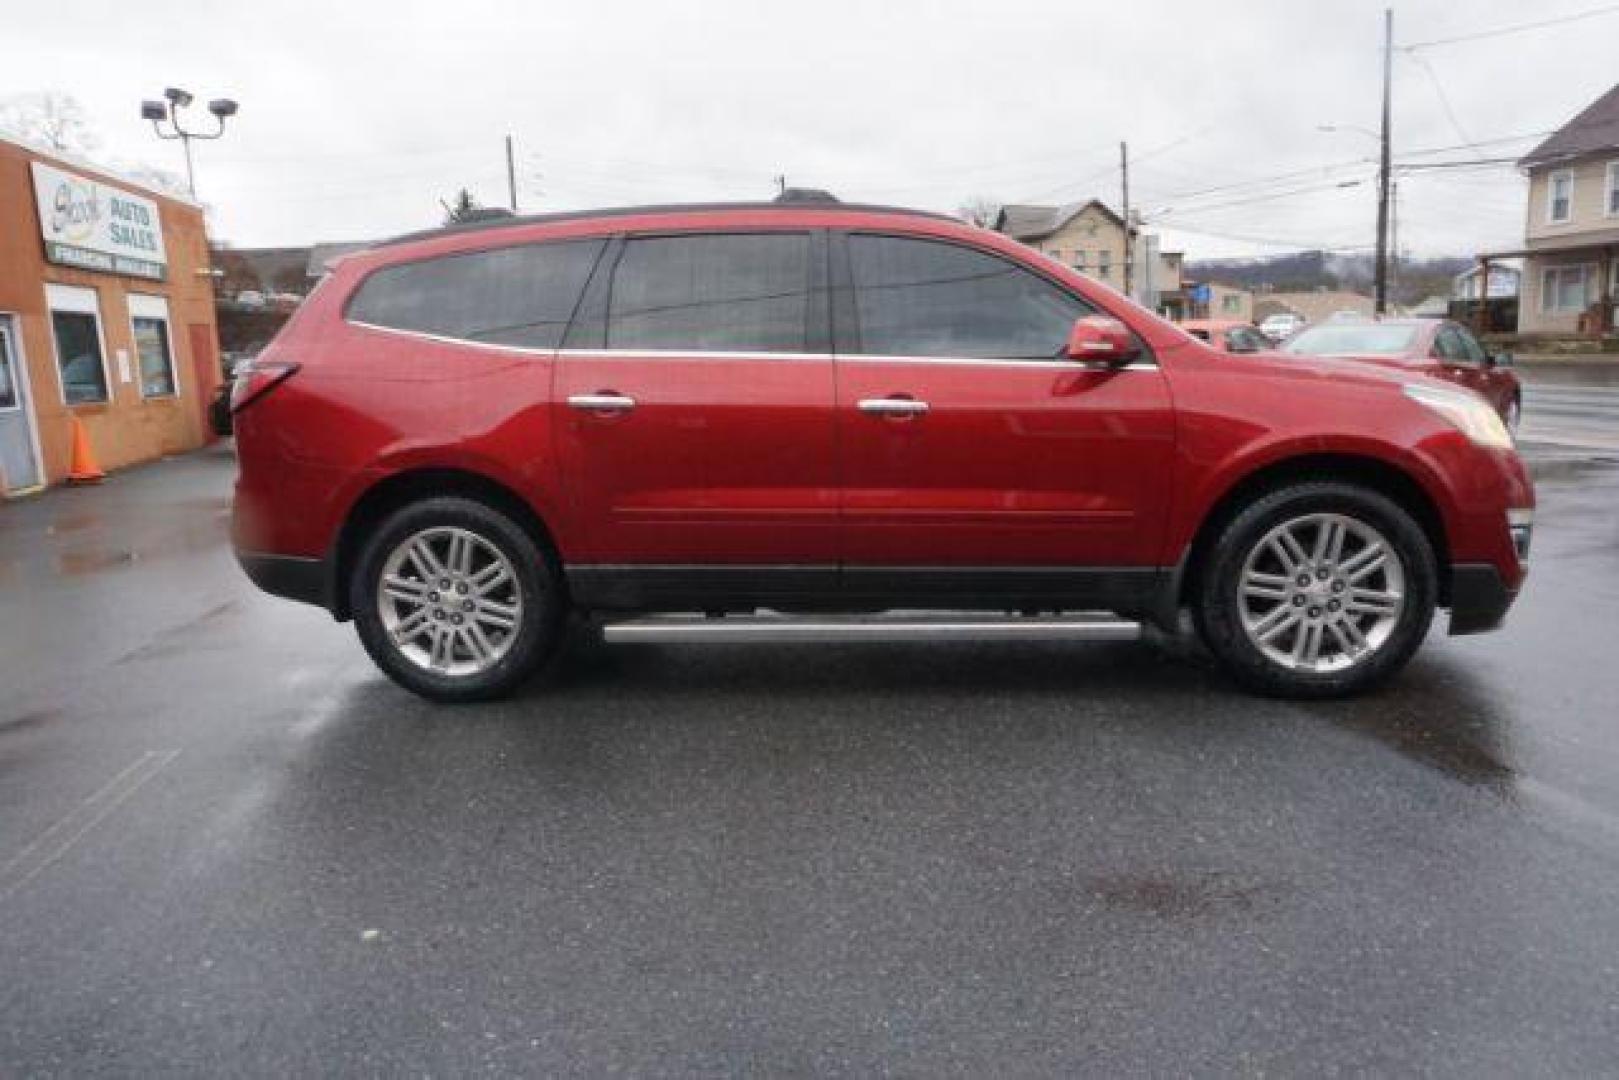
(168, 110)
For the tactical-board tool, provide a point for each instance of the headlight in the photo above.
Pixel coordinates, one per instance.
(1469, 412)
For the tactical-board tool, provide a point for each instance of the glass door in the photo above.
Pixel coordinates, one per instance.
(19, 464)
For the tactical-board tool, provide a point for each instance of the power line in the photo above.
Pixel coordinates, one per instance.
(1444, 99)
(1517, 28)
(1265, 241)
(1270, 196)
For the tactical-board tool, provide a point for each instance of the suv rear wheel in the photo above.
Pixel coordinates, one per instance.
(1317, 590)
(455, 601)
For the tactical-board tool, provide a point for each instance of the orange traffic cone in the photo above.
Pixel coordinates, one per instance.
(83, 469)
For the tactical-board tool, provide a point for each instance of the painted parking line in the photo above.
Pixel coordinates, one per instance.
(51, 845)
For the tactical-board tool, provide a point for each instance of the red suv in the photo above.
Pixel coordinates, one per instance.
(466, 434)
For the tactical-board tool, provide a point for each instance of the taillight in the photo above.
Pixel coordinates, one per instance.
(252, 379)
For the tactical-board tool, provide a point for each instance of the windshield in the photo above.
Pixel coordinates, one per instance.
(1368, 339)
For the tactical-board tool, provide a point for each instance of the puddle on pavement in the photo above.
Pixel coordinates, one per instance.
(1439, 720)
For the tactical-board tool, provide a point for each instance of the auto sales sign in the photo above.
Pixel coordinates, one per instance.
(94, 226)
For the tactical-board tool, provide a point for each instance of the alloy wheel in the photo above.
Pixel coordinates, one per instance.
(1321, 593)
(449, 601)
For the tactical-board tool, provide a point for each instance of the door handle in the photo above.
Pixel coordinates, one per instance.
(892, 406)
(605, 401)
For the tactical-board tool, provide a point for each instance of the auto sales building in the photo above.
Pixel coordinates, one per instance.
(106, 317)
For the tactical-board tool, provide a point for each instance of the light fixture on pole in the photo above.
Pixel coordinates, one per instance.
(175, 99)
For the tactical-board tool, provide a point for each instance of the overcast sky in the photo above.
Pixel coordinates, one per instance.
(357, 116)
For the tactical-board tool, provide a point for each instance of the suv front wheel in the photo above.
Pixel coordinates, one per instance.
(1317, 590)
(456, 601)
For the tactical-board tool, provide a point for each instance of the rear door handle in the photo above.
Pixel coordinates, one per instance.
(892, 406)
(605, 401)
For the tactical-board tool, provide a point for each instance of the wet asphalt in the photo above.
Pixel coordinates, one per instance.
(228, 845)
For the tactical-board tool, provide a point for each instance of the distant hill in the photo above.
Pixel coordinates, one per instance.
(1412, 279)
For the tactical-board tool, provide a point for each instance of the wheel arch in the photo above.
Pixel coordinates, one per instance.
(1375, 474)
(401, 488)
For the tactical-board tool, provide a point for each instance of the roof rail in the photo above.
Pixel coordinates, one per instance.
(509, 220)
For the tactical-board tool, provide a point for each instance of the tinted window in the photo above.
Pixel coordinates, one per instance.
(1353, 339)
(1243, 339)
(925, 298)
(1470, 346)
(507, 296)
(1448, 345)
(744, 292)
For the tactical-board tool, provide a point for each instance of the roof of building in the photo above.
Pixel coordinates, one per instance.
(275, 269)
(84, 165)
(1595, 129)
(1027, 222)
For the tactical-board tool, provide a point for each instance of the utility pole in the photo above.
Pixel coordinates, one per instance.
(511, 176)
(1394, 235)
(1381, 281)
(781, 184)
(1124, 183)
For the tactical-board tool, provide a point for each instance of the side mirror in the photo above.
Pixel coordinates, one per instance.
(1501, 360)
(1102, 338)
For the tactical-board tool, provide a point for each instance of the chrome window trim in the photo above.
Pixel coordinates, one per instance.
(758, 354)
(445, 339)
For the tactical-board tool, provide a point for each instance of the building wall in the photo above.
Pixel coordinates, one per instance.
(128, 428)
(1532, 316)
(1082, 241)
(1226, 302)
(1586, 210)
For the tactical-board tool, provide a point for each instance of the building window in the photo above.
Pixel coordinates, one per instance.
(1560, 196)
(149, 322)
(1079, 259)
(1563, 289)
(1231, 304)
(80, 357)
(1612, 201)
(1104, 263)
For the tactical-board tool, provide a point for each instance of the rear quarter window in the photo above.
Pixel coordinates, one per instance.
(521, 296)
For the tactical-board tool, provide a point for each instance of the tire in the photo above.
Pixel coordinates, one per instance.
(1260, 621)
(499, 620)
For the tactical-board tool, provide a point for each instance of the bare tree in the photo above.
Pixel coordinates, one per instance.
(50, 118)
(980, 210)
(462, 208)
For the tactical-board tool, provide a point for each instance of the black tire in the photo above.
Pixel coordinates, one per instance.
(537, 581)
(1217, 602)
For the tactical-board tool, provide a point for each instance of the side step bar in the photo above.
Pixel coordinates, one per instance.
(772, 629)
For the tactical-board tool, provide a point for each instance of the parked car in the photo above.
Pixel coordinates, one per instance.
(1228, 334)
(467, 434)
(1277, 327)
(1437, 348)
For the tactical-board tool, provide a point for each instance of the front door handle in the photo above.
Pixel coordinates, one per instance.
(605, 401)
(893, 406)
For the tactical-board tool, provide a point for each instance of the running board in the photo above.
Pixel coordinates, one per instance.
(766, 629)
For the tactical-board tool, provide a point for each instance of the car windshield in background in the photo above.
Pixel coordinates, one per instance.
(1367, 339)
